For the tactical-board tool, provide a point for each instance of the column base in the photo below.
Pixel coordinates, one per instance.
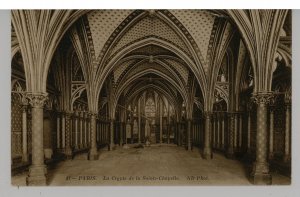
(230, 154)
(93, 154)
(111, 147)
(207, 154)
(261, 179)
(260, 174)
(68, 153)
(37, 176)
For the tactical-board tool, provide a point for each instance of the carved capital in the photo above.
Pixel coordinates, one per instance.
(37, 100)
(288, 98)
(262, 97)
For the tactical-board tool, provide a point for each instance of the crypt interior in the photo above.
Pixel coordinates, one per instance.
(151, 93)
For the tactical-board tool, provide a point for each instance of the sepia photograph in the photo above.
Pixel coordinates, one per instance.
(151, 97)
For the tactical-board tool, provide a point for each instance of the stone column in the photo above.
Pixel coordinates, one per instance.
(223, 131)
(189, 128)
(218, 131)
(85, 130)
(207, 154)
(271, 134)
(121, 133)
(231, 126)
(131, 133)
(112, 143)
(214, 131)
(160, 121)
(249, 133)
(80, 129)
(287, 155)
(68, 135)
(178, 134)
(260, 173)
(89, 129)
(37, 170)
(240, 130)
(58, 140)
(76, 129)
(235, 131)
(93, 153)
(63, 130)
(24, 134)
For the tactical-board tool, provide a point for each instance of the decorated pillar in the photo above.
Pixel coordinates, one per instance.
(85, 144)
(218, 131)
(207, 153)
(235, 143)
(121, 133)
(37, 170)
(223, 131)
(80, 129)
(249, 133)
(76, 129)
(63, 130)
(24, 132)
(160, 121)
(58, 133)
(111, 143)
(189, 137)
(68, 134)
(240, 130)
(231, 128)
(271, 134)
(260, 173)
(93, 153)
(287, 154)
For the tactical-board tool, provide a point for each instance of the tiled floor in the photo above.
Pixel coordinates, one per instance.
(155, 165)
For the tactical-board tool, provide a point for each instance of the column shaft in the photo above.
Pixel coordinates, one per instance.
(93, 153)
(207, 154)
(287, 155)
(24, 135)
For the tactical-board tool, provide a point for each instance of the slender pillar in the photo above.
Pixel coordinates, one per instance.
(207, 153)
(37, 170)
(214, 131)
(112, 143)
(63, 130)
(271, 134)
(131, 133)
(76, 129)
(179, 134)
(189, 138)
(231, 128)
(80, 129)
(139, 121)
(235, 131)
(89, 129)
(93, 153)
(121, 133)
(218, 131)
(260, 173)
(223, 131)
(249, 133)
(160, 121)
(85, 130)
(240, 130)
(287, 155)
(58, 140)
(24, 134)
(68, 136)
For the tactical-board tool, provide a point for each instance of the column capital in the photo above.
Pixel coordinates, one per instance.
(37, 99)
(288, 98)
(262, 97)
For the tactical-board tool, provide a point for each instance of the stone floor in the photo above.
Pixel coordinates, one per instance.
(155, 165)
